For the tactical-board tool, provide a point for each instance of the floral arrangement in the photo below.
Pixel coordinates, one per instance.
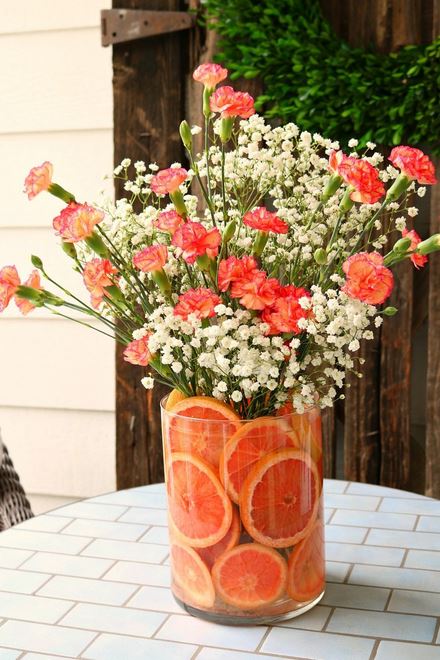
(256, 284)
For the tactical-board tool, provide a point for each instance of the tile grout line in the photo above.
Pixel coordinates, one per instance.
(379, 504)
(349, 572)
(375, 649)
(263, 639)
(436, 631)
(197, 652)
(388, 600)
(414, 529)
(404, 558)
(327, 621)
(87, 646)
(59, 620)
(167, 618)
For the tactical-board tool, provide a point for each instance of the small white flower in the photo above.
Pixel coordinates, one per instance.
(195, 130)
(177, 367)
(148, 382)
(412, 211)
(126, 162)
(353, 143)
(236, 396)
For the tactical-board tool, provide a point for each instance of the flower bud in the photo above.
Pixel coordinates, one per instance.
(229, 232)
(207, 93)
(226, 125)
(36, 296)
(69, 249)
(390, 311)
(431, 244)
(96, 244)
(320, 256)
(58, 191)
(399, 186)
(185, 134)
(402, 245)
(332, 186)
(346, 202)
(36, 261)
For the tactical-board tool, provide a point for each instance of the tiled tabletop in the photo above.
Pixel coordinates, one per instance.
(90, 580)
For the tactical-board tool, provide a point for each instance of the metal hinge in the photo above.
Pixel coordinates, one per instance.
(120, 25)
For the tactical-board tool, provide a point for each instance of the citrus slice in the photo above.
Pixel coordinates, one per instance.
(199, 509)
(247, 446)
(230, 539)
(307, 433)
(306, 566)
(192, 576)
(279, 498)
(249, 576)
(201, 425)
(174, 397)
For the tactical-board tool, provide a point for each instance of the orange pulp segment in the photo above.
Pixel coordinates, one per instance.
(306, 566)
(231, 538)
(192, 576)
(174, 397)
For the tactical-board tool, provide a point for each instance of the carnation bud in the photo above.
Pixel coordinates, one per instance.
(229, 232)
(185, 134)
(69, 249)
(402, 245)
(320, 256)
(390, 311)
(96, 244)
(431, 244)
(226, 125)
(36, 261)
(29, 293)
(207, 93)
(346, 203)
(332, 186)
(399, 186)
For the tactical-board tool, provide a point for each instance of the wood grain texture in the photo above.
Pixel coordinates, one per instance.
(149, 100)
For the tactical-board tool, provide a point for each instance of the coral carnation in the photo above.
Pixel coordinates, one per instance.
(284, 314)
(335, 161)
(77, 222)
(97, 275)
(200, 302)
(151, 258)
(9, 282)
(210, 74)
(264, 220)
(137, 352)
(168, 221)
(230, 103)
(367, 279)
(38, 179)
(33, 282)
(363, 177)
(255, 290)
(414, 164)
(168, 181)
(233, 269)
(419, 260)
(194, 241)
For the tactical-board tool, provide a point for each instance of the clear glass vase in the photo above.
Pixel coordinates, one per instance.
(245, 511)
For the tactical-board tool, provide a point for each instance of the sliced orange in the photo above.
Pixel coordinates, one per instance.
(306, 566)
(279, 499)
(247, 446)
(174, 397)
(249, 576)
(192, 576)
(307, 433)
(200, 512)
(230, 539)
(201, 425)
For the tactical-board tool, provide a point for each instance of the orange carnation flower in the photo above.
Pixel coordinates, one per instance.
(419, 260)
(414, 164)
(210, 74)
(363, 177)
(194, 241)
(264, 220)
(284, 314)
(9, 283)
(168, 221)
(168, 181)
(137, 352)
(255, 290)
(335, 161)
(233, 269)
(34, 282)
(97, 275)
(77, 222)
(151, 258)
(367, 279)
(230, 103)
(38, 179)
(200, 302)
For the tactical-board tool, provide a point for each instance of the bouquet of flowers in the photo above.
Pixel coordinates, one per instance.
(255, 285)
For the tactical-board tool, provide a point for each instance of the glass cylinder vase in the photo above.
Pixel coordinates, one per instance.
(245, 513)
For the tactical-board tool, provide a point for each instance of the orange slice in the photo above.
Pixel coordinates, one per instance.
(247, 446)
(307, 433)
(230, 539)
(306, 566)
(174, 397)
(199, 509)
(201, 425)
(192, 576)
(249, 576)
(279, 498)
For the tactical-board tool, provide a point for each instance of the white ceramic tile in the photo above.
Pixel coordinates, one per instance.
(417, 506)
(334, 486)
(106, 530)
(400, 539)
(348, 595)
(90, 510)
(45, 523)
(32, 608)
(428, 524)
(316, 646)
(344, 534)
(225, 654)
(17, 538)
(118, 647)
(414, 602)
(41, 656)
(195, 631)
(382, 491)
(423, 559)
(357, 502)
(130, 571)
(89, 591)
(362, 554)
(382, 624)
(155, 598)
(10, 558)
(328, 514)
(50, 562)
(406, 651)
(314, 619)
(135, 497)
(336, 571)
(6, 654)
(156, 535)
(121, 620)
(44, 638)
(374, 519)
(404, 578)
(153, 554)
(142, 516)
(21, 582)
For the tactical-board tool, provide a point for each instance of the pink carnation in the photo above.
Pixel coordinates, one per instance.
(266, 221)
(233, 269)
(367, 279)
(137, 352)
(77, 222)
(168, 181)
(414, 164)
(335, 161)
(97, 275)
(38, 179)
(284, 314)
(9, 283)
(230, 103)
(168, 221)
(210, 74)
(33, 282)
(363, 177)
(201, 302)
(195, 241)
(151, 258)
(255, 290)
(419, 260)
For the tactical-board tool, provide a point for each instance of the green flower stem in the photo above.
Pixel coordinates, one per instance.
(86, 325)
(225, 214)
(369, 226)
(95, 243)
(58, 191)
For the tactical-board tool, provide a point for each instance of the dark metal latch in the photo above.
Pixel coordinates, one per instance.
(120, 25)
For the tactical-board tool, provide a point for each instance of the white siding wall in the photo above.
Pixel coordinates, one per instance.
(57, 378)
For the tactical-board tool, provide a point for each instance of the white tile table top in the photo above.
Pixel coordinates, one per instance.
(90, 580)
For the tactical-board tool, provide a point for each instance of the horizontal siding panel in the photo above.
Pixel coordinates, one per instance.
(34, 15)
(81, 160)
(57, 451)
(55, 81)
(55, 364)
